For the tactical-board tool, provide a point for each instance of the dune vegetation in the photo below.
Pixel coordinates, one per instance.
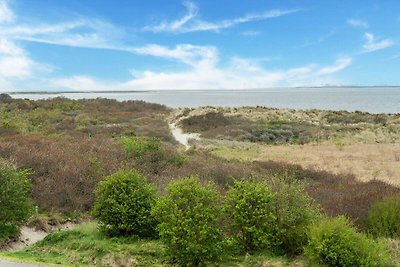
(255, 159)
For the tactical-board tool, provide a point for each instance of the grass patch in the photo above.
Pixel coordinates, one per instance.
(233, 153)
(86, 246)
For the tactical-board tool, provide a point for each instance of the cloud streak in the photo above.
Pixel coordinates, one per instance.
(191, 23)
(373, 45)
(357, 23)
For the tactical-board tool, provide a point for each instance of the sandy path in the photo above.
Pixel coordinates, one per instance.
(181, 137)
(7, 263)
(30, 236)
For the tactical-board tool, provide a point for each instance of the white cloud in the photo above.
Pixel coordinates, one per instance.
(193, 55)
(6, 14)
(357, 23)
(373, 45)
(205, 73)
(191, 23)
(89, 33)
(339, 65)
(14, 61)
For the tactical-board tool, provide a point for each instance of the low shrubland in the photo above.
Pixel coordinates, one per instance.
(279, 126)
(262, 218)
(70, 146)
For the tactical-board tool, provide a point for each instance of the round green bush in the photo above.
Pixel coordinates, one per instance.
(123, 204)
(15, 203)
(335, 242)
(383, 219)
(189, 217)
(295, 212)
(248, 206)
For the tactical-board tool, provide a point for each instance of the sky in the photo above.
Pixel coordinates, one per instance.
(103, 45)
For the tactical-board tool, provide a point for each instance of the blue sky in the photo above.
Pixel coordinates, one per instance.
(48, 45)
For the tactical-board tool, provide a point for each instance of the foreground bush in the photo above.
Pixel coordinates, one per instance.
(249, 207)
(188, 217)
(384, 218)
(335, 242)
(15, 203)
(123, 204)
(295, 211)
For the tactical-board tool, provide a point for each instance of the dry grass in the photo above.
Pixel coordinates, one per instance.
(366, 161)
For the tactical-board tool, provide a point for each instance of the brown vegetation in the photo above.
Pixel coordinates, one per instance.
(71, 145)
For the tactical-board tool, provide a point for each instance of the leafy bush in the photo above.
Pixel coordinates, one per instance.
(15, 203)
(335, 242)
(188, 217)
(123, 204)
(294, 210)
(384, 218)
(138, 146)
(7, 231)
(252, 222)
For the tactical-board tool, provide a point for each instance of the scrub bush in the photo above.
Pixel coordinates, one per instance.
(15, 203)
(123, 204)
(295, 212)
(335, 242)
(138, 146)
(252, 222)
(383, 219)
(189, 218)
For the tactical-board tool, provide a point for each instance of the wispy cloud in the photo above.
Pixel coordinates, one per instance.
(193, 55)
(251, 33)
(340, 64)
(372, 44)
(357, 23)
(6, 14)
(321, 39)
(191, 23)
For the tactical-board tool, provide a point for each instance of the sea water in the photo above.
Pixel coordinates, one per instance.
(369, 99)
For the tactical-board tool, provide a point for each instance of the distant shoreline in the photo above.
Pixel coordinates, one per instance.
(163, 90)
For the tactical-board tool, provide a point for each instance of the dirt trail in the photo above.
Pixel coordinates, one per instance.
(180, 136)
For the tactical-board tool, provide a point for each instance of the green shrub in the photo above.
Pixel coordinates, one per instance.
(295, 211)
(7, 231)
(384, 218)
(15, 203)
(138, 146)
(189, 217)
(248, 206)
(123, 204)
(335, 242)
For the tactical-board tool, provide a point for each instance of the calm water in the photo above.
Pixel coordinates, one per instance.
(370, 99)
